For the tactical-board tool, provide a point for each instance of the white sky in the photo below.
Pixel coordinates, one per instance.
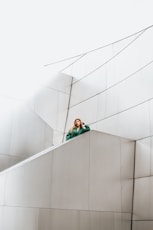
(34, 33)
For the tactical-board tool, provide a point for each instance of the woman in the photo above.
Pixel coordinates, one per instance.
(78, 128)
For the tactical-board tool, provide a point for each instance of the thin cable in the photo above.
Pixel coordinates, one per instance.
(72, 63)
(62, 60)
(125, 110)
(110, 59)
(101, 47)
(115, 84)
(145, 137)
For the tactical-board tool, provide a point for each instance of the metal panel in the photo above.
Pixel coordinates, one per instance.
(143, 157)
(133, 124)
(19, 218)
(127, 158)
(105, 167)
(70, 172)
(29, 184)
(82, 220)
(142, 225)
(58, 219)
(143, 199)
(86, 88)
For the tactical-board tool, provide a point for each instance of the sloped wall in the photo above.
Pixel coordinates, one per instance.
(22, 134)
(86, 183)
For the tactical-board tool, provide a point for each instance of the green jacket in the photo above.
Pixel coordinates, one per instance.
(75, 133)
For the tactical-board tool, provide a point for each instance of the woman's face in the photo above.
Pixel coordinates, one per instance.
(78, 123)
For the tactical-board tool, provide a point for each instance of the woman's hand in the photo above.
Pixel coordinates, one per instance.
(83, 125)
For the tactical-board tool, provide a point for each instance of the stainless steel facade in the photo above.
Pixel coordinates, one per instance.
(86, 183)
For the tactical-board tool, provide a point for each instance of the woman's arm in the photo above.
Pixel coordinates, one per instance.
(68, 136)
(86, 128)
